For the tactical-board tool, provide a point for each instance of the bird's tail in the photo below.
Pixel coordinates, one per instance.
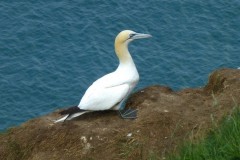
(71, 113)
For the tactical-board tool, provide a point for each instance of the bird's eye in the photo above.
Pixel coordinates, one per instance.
(131, 35)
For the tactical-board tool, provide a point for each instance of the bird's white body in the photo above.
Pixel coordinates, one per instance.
(111, 90)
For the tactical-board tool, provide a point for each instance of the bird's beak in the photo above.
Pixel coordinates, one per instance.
(140, 36)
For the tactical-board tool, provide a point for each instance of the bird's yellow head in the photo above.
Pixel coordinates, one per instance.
(127, 36)
(122, 40)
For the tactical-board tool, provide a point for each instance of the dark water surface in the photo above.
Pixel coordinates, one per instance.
(51, 51)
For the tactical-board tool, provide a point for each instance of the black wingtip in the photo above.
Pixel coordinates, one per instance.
(71, 110)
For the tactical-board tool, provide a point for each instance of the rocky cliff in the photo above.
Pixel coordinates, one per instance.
(166, 118)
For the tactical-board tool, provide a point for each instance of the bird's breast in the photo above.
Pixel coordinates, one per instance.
(128, 72)
(130, 76)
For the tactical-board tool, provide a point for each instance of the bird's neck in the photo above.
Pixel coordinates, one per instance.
(126, 64)
(123, 53)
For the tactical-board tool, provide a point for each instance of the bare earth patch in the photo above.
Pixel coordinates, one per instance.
(165, 119)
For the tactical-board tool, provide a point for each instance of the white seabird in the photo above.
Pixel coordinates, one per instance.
(110, 91)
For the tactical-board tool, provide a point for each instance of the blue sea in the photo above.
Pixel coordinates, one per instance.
(51, 51)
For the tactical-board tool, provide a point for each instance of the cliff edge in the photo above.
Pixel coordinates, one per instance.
(165, 119)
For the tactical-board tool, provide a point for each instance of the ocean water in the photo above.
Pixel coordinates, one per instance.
(51, 51)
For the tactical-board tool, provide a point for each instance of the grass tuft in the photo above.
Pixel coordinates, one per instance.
(221, 144)
(130, 148)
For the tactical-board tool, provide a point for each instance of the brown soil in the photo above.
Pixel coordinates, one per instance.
(165, 119)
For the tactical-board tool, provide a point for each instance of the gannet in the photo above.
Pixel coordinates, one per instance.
(110, 91)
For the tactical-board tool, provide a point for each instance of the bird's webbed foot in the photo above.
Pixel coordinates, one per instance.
(128, 113)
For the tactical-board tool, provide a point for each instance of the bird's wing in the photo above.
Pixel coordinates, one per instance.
(103, 98)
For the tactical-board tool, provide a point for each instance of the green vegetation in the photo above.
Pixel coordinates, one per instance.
(222, 143)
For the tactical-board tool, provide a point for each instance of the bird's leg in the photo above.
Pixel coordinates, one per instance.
(128, 113)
